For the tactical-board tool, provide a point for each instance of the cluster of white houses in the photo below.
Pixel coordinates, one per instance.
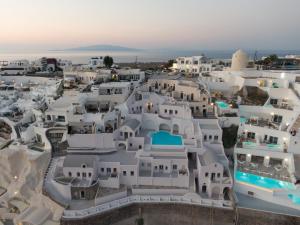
(266, 155)
(159, 138)
(116, 138)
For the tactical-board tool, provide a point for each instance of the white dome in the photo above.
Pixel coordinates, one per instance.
(239, 60)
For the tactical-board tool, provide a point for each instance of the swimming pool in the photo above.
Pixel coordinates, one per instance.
(295, 198)
(165, 138)
(222, 105)
(264, 182)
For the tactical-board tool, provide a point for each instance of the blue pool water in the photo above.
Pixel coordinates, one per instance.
(165, 138)
(222, 105)
(264, 182)
(294, 198)
(243, 119)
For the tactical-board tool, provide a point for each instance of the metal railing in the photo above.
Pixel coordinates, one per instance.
(145, 199)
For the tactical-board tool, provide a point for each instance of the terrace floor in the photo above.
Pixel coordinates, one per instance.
(248, 202)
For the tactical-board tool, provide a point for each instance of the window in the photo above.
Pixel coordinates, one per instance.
(149, 164)
(61, 118)
(166, 111)
(102, 169)
(124, 173)
(216, 137)
(121, 133)
(161, 167)
(206, 174)
(176, 111)
(210, 137)
(90, 174)
(83, 166)
(174, 167)
(78, 174)
(131, 173)
(251, 135)
(170, 111)
(108, 170)
(166, 168)
(204, 99)
(273, 101)
(83, 174)
(48, 117)
(115, 170)
(70, 174)
(143, 164)
(155, 167)
(140, 147)
(273, 140)
(197, 107)
(218, 174)
(130, 144)
(205, 137)
(130, 134)
(277, 119)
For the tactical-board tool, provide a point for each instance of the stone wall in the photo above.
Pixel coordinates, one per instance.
(176, 214)
(156, 214)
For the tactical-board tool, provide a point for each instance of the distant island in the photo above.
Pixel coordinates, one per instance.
(101, 48)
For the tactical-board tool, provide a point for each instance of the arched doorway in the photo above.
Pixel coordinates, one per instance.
(226, 191)
(204, 188)
(175, 129)
(122, 146)
(82, 194)
(204, 113)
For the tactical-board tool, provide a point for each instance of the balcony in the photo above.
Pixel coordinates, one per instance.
(263, 123)
(250, 143)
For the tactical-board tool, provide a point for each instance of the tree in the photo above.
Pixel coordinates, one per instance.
(108, 61)
(229, 137)
(170, 63)
(271, 59)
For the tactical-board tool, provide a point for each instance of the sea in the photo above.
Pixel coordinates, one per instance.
(82, 57)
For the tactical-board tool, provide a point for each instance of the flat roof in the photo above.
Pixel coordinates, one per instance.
(115, 84)
(123, 157)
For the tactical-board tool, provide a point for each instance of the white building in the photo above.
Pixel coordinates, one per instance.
(194, 65)
(18, 67)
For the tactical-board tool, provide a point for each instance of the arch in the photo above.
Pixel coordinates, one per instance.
(121, 146)
(165, 127)
(226, 191)
(82, 194)
(204, 187)
(109, 126)
(175, 129)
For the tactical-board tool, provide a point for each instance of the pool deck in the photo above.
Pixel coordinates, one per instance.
(248, 202)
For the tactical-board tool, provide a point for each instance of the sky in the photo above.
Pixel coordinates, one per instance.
(151, 24)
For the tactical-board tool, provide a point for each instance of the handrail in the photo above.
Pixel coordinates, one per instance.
(145, 199)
